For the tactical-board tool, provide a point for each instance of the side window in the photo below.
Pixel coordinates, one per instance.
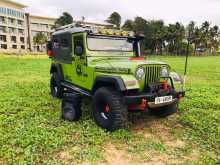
(64, 43)
(62, 47)
(78, 45)
(56, 44)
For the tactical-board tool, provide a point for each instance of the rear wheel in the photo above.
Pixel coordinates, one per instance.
(55, 86)
(108, 109)
(165, 111)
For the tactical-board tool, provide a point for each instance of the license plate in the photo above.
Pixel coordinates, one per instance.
(165, 99)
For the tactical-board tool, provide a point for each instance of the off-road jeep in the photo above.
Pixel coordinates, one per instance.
(107, 66)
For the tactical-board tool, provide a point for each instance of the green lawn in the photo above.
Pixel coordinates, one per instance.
(31, 131)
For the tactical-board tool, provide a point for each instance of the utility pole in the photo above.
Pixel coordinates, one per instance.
(28, 31)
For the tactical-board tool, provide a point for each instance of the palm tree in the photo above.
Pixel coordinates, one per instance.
(63, 20)
(156, 32)
(115, 19)
(214, 38)
(128, 25)
(197, 38)
(175, 37)
(205, 38)
(190, 36)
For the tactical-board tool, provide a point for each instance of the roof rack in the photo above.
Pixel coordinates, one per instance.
(87, 25)
(90, 28)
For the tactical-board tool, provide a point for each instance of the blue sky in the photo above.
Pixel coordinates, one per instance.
(98, 10)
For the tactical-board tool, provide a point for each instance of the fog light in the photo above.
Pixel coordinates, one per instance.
(130, 83)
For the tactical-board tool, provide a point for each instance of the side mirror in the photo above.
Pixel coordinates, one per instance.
(79, 50)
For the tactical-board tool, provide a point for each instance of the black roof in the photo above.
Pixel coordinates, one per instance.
(72, 30)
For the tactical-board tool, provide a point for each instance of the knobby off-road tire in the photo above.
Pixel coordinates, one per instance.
(71, 109)
(55, 86)
(165, 111)
(108, 109)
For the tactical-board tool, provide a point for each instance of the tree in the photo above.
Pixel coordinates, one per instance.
(197, 38)
(175, 37)
(63, 20)
(191, 32)
(190, 35)
(214, 38)
(128, 25)
(155, 36)
(205, 39)
(115, 19)
(140, 25)
(40, 39)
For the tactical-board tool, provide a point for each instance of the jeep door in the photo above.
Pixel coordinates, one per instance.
(82, 75)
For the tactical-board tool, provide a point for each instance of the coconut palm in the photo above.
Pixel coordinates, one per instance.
(115, 19)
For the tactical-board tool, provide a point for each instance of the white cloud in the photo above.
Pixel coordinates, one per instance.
(98, 10)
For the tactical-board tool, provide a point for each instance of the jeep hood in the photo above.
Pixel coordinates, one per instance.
(122, 63)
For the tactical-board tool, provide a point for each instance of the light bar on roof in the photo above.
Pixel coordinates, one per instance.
(113, 32)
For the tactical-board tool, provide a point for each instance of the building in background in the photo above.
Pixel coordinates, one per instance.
(17, 28)
(37, 24)
(12, 26)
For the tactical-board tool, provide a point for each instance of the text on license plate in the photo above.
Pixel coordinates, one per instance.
(165, 99)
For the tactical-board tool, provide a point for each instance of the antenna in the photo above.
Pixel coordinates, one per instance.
(186, 64)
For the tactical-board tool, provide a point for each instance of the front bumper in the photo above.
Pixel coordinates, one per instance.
(150, 98)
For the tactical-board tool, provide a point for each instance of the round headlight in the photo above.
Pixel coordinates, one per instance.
(140, 73)
(164, 72)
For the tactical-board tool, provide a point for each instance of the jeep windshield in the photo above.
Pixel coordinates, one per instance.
(103, 43)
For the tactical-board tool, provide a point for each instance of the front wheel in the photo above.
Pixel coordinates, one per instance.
(108, 109)
(165, 111)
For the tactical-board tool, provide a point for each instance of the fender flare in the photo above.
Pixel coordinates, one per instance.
(102, 81)
(58, 69)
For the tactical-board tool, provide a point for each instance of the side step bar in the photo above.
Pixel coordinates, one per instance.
(75, 89)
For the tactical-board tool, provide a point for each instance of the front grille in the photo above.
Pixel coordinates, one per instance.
(152, 74)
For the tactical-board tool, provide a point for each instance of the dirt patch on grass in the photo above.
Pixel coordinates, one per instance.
(151, 126)
(155, 144)
(64, 155)
(115, 156)
(177, 151)
(177, 143)
(121, 157)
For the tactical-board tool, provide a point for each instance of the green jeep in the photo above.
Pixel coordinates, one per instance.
(107, 66)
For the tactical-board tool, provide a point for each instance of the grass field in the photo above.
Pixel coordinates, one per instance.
(31, 131)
